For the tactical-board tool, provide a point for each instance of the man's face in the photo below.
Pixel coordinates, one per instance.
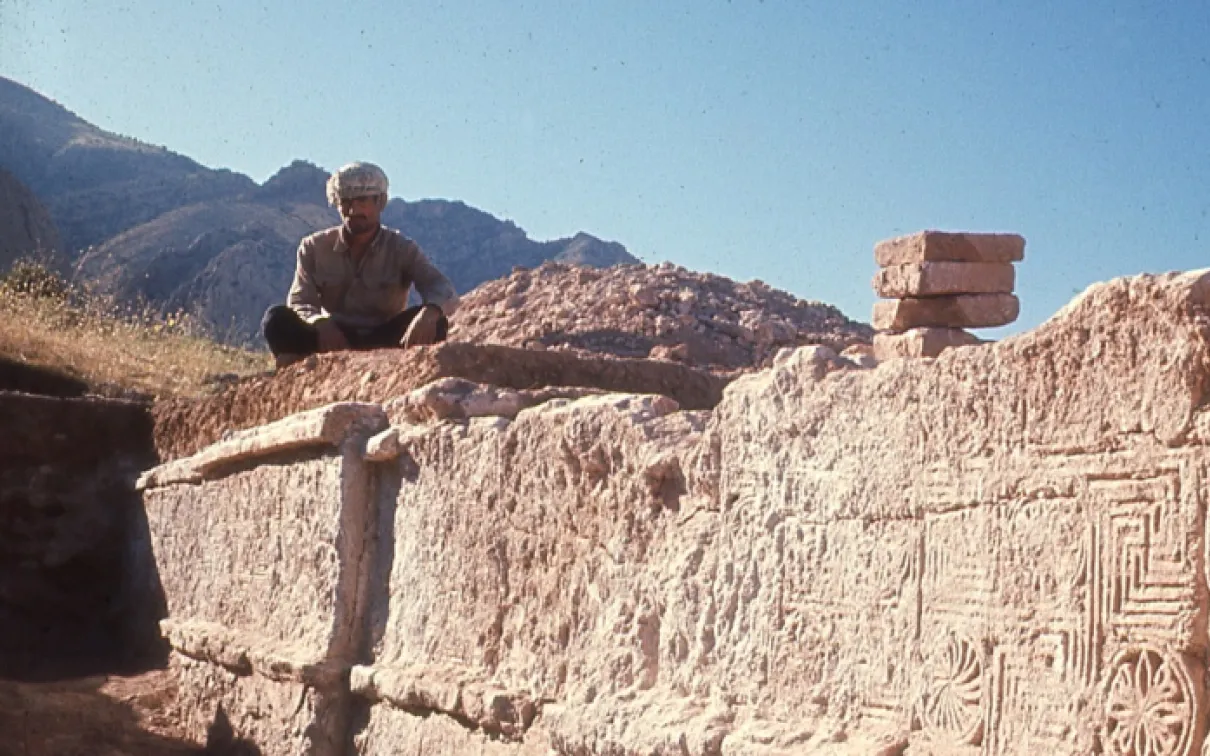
(361, 214)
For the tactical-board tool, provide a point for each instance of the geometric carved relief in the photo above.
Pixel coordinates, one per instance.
(956, 574)
(1107, 559)
(1029, 706)
(1146, 581)
(952, 709)
(1150, 706)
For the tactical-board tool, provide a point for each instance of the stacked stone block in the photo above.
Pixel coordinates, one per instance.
(937, 285)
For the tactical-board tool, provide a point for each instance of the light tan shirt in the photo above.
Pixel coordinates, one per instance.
(328, 284)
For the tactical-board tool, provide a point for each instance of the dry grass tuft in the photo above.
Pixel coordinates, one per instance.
(44, 322)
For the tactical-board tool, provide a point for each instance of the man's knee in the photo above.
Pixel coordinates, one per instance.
(285, 331)
(274, 317)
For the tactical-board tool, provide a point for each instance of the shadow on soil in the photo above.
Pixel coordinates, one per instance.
(100, 716)
(81, 659)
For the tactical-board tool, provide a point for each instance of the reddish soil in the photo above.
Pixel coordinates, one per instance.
(94, 716)
(630, 328)
(185, 426)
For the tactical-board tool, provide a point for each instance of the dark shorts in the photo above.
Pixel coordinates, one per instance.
(287, 333)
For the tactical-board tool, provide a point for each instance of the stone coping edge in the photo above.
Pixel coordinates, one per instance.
(455, 691)
(325, 426)
(247, 654)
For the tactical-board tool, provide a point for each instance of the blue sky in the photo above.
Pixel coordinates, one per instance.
(776, 140)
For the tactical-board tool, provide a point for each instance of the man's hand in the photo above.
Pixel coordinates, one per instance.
(423, 328)
(331, 338)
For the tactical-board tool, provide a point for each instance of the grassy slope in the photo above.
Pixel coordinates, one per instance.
(140, 354)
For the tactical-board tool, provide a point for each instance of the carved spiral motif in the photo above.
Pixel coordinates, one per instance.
(1149, 706)
(953, 707)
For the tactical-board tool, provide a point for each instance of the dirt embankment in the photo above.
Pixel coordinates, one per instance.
(630, 328)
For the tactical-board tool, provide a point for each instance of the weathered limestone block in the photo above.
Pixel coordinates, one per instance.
(261, 551)
(931, 279)
(927, 246)
(544, 525)
(390, 731)
(956, 311)
(921, 342)
(263, 544)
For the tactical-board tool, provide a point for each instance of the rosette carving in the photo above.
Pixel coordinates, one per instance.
(952, 709)
(1149, 706)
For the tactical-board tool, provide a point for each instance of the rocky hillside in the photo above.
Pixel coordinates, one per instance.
(661, 311)
(25, 225)
(472, 246)
(97, 184)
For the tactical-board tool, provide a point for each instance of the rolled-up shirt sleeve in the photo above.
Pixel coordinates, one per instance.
(432, 285)
(304, 296)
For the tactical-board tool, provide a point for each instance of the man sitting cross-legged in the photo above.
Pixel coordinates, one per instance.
(351, 282)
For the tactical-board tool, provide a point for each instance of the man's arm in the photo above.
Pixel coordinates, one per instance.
(432, 285)
(304, 295)
(304, 299)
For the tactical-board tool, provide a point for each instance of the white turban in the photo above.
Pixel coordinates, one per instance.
(356, 180)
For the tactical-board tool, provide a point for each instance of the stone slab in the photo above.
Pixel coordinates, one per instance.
(276, 550)
(1027, 516)
(921, 342)
(524, 516)
(926, 246)
(931, 279)
(458, 692)
(326, 426)
(956, 311)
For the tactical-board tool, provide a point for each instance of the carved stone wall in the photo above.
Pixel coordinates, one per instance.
(998, 551)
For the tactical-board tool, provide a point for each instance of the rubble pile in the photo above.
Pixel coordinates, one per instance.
(662, 312)
(938, 284)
